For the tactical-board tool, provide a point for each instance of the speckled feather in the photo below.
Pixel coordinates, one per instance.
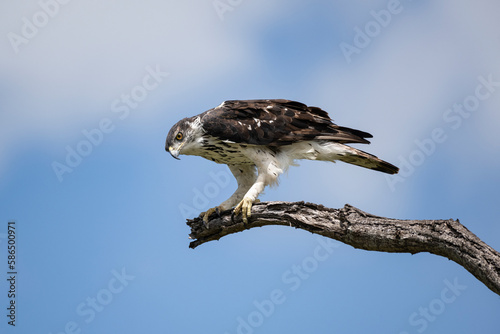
(275, 123)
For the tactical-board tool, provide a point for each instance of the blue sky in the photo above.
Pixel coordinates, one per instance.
(89, 91)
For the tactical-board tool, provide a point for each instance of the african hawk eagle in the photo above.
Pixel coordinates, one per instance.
(260, 139)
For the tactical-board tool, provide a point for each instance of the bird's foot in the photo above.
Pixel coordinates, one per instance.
(206, 214)
(245, 208)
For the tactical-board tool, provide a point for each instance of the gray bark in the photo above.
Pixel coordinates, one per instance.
(362, 230)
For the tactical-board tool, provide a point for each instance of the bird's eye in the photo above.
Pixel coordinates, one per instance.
(179, 136)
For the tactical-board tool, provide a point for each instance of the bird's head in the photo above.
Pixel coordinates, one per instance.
(183, 137)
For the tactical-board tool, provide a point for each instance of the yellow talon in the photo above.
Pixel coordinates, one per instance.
(245, 207)
(209, 212)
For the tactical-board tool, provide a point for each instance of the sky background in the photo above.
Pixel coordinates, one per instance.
(102, 244)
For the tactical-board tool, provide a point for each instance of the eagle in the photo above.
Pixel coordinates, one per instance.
(259, 139)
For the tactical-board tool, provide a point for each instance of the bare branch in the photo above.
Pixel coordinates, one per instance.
(362, 230)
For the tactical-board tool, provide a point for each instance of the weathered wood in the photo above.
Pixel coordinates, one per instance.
(362, 230)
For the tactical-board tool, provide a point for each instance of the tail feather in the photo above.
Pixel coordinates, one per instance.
(367, 160)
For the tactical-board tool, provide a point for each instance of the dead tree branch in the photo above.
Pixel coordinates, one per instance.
(362, 230)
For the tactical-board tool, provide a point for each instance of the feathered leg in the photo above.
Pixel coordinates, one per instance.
(245, 177)
(268, 169)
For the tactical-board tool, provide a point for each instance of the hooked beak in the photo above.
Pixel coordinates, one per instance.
(174, 153)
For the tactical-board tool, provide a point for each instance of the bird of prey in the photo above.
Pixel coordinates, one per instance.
(260, 139)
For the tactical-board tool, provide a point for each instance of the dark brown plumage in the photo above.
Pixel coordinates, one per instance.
(275, 123)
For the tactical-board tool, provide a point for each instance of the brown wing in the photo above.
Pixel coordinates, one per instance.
(275, 123)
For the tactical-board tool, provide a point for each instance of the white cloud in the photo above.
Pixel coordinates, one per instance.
(400, 85)
(67, 76)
